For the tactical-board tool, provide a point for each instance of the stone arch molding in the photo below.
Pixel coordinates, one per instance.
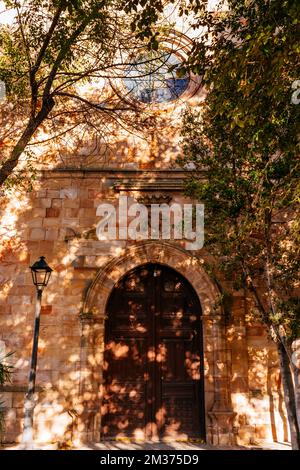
(219, 409)
(151, 252)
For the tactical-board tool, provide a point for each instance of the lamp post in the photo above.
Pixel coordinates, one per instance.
(41, 273)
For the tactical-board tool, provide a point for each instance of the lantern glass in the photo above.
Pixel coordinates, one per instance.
(41, 273)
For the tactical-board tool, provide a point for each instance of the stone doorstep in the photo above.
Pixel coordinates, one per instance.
(121, 445)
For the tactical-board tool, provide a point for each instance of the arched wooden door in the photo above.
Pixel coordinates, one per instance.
(153, 360)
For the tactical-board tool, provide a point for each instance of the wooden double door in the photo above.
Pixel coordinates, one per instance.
(153, 360)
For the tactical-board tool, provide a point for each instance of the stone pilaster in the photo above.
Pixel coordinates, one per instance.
(221, 415)
(90, 378)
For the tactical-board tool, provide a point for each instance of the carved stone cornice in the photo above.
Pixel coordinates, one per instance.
(89, 318)
(118, 173)
(154, 198)
(86, 318)
(145, 185)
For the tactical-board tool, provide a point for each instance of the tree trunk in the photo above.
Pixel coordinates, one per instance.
(296, 375)
(289, 395)
(10, 164)
(289, 389)
(297, 392)
(296, 372)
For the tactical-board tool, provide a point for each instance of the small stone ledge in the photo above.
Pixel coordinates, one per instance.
(18, 388)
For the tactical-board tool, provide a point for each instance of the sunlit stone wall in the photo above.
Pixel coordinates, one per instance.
(57, 219)
(244, 401)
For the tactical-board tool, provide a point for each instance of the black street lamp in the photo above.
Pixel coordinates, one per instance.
(41, 273)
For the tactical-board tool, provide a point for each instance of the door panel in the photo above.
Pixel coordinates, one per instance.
(124, 409)
(153, 367)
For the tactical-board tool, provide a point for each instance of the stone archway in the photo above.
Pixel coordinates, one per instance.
(217, 375)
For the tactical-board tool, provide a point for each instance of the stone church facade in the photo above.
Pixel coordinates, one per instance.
(233, 384)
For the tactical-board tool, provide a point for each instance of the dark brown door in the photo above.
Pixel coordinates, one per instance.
(153, 367)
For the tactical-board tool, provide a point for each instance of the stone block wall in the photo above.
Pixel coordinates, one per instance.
(243, 394)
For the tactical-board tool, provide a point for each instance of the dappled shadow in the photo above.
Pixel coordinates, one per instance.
(153, 360)
(69, 373)
(39, 222)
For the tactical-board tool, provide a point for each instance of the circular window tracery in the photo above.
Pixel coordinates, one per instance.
(154, 78)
